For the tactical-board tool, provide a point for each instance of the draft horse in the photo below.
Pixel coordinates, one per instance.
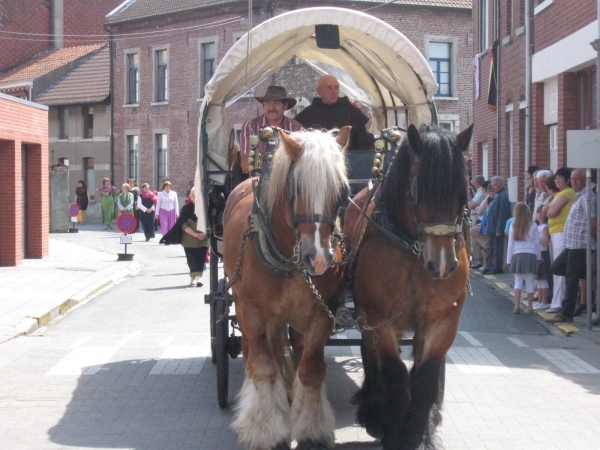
(410, 274)
(283, 395)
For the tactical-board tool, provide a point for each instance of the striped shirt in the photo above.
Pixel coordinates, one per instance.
(252, 127)
(576, 230)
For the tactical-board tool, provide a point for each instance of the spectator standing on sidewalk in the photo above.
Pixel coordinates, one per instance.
(544, 274)
(530, 187)
(542, 196)
(523, 254)
(571, 263)
(478, 197)
(557, 211)
(498, 214)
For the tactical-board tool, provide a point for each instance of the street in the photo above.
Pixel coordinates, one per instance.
(131, 369)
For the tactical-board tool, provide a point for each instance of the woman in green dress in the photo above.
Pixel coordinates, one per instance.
(107, 208)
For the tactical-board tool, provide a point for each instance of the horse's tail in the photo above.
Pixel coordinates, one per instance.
(281, 348)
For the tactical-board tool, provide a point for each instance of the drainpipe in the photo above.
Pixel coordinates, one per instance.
(596, 317)
(528, 62)
(498, 82)
(111, 44)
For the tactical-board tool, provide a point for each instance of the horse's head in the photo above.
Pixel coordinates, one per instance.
(437, 185)
(309, 176)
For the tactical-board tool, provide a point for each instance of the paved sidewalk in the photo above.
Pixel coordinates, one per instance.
(39, 290)
(504, 282)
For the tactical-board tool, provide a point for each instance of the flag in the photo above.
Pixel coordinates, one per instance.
(493, 85)
(476, 74)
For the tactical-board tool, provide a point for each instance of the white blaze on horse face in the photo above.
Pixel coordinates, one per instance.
(442, 262)
(320, 261)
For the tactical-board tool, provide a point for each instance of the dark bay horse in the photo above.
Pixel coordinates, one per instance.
(410, 274)
(307, 184)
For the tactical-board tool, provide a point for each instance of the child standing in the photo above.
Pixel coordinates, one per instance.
(524, 252)
(544, 272)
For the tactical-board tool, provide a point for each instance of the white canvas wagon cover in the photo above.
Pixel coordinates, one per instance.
(375, 64)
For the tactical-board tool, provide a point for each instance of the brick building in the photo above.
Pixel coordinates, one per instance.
(30, 27)
(24, 170)
(159, 73)
(561, 82)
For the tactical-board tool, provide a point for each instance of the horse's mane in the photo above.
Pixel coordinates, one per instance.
(319, 174)
(441, 173)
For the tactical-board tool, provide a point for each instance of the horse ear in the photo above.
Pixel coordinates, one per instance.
(343, 137)
(464, 138)
(414, 139)
(291, 146)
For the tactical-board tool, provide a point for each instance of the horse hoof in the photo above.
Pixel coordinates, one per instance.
(282, 446)
(311, 445)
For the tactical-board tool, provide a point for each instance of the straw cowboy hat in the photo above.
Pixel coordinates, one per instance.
(277, 94)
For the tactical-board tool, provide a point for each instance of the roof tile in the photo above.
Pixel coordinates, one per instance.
(47, 62)
(88, 83)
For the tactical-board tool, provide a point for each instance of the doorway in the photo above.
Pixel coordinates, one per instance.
(24, 201)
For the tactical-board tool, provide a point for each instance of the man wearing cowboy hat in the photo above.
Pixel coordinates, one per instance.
(275, 102)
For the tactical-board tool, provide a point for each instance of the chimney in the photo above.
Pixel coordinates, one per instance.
(58, 24)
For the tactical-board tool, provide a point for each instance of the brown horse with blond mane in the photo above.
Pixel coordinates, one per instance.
(410, 267)
(304, 189)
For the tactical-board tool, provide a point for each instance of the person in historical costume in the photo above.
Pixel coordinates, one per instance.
(187, 232)
(107, 205)
(135, 190)
(146, 206)
(167, 206)
(82, 199)
(125, 202)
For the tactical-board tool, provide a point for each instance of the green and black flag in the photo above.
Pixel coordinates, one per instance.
(493, 86)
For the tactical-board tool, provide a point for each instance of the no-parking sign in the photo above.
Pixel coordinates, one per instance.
(126, 223)
(73, 209)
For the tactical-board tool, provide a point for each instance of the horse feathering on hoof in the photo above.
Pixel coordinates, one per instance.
(305, 188)
(422, 289)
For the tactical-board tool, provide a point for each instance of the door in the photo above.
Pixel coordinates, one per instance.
(24, 202)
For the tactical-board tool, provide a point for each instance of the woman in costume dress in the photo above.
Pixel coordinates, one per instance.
(125, 202)
(107, 206)
(82, 199)
(146, 204)
(167, 207)
(188, 233)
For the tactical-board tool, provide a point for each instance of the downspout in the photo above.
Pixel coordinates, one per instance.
(498, 79)
(112, 102)
(528, 62)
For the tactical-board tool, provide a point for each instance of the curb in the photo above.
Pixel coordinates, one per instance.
(42, 318)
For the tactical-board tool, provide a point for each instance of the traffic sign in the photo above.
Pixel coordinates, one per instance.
(73, 209)
(126, 223)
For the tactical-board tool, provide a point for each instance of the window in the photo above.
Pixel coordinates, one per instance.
(483, 25)
(484, 160)
(586, 98)
(509, 16)
(63, 123)
(88, 122)
(133, 152)
(162, 157)
(161, 75)
(208, 53)
(439, 61)
(133, 80)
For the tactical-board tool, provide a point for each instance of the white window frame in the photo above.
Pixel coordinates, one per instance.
(155, 132)
(453, 41)
(127, 157)
(484, 160)
(126, 53)
(553, 147)
(155, 51)
(484, 25)
(201, 42)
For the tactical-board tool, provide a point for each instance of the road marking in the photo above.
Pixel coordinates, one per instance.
(566, 361)
(80, 342)
(518, 342)
(83, 361)
(128, 338)
(474, 342)
(476, 360)
(167, 341)
(182, 360)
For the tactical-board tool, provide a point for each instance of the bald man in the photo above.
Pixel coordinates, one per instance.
(330, 111)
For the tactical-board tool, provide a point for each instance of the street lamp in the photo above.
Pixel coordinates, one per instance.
(596, 44)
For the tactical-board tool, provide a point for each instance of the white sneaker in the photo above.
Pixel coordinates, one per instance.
(552, 310)
(541, 306)
(536, 304)
(193, 281)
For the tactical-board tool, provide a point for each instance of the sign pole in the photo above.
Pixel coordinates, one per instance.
(126, 224)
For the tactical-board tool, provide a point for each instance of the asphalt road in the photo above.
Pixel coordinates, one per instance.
(131, 369)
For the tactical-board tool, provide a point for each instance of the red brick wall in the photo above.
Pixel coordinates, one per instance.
(562, 19)
(23, 16)
(567, 112)
(22, 124)
(540, 153)
(86, 18)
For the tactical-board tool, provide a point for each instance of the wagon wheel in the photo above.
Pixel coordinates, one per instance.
(213, 321)
(222, 354)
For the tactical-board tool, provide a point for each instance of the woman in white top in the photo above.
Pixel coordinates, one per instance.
(125, 199)
(167, 208)
(524, 254)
